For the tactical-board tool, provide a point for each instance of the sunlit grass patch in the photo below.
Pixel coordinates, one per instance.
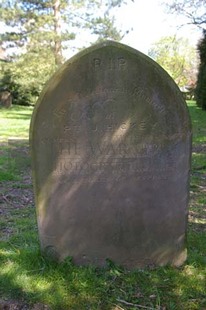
(198, 117)
(14, 122)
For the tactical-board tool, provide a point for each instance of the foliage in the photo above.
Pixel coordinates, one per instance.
(101, 21)
(34, 283)
(193, 10)
(195, 13)
(201, 82)
(25, 77)
(38, 31)
(36, 24)
(177, 57)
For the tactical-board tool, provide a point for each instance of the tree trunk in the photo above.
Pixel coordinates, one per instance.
(57, 30)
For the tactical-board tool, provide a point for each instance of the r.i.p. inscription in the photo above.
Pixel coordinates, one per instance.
(110, 141)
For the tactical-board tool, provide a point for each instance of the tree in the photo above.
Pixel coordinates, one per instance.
(102, 23)
(201, 81)
(51, 23)
(39, 31)
(177, 57)
(193, 10)
(195, 13)
(25, 76)
(35, 26)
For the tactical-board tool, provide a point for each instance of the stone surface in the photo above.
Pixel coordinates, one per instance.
(5, 99)
(110, 144)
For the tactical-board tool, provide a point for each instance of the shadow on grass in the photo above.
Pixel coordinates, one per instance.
(18, 116)
(18, 151)
(25, 274)
(17, 111)
(62, 286)
(15, 159)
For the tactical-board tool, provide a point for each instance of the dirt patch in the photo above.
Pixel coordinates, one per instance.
(16, 197)
(17, 160)
(15, 194)
(16, 305)
(200, 148)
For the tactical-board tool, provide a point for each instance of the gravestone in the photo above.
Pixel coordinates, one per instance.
(110, 144)
(5, 99)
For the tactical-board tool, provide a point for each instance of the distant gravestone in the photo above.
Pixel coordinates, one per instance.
(5, 99)
(110, 143)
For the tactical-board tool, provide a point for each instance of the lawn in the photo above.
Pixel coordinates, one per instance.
(28, 281)
(15, 122)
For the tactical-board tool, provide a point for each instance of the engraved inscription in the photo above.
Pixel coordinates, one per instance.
(110, 64)
(59, 112)
(115, 167)
(96, 63)
(143, 162)
(127, 148)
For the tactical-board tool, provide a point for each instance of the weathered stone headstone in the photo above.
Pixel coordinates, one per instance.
(5, 99)
(111, 142)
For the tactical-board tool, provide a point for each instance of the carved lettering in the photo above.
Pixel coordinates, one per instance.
(110, 64)
(96, 63)
(121, 63)
(59, 112)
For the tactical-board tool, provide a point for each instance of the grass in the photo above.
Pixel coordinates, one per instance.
(15, 122)
(198, 123)
(14, 134)
(27, 278)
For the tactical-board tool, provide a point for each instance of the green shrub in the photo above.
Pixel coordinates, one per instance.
(201, 81)
(26, 75)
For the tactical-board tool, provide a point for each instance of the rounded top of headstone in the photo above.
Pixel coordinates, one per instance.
(109, 62)
(110, 145)
(106, 46)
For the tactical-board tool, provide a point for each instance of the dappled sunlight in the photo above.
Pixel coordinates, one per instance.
(120, 133)
(24, 276)
(9, 268)
(68, 286)
(32, 283)
(190, 270)
(197, 220)
(9, 253)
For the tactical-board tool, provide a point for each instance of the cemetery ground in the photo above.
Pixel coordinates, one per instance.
(28, 281)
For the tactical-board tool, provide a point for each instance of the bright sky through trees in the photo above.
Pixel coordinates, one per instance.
(150, 22)
(146, 21)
